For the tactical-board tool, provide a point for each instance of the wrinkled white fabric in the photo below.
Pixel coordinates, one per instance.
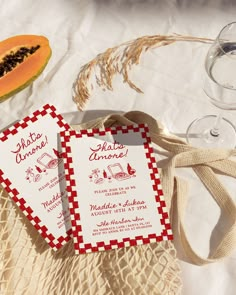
(170, 77)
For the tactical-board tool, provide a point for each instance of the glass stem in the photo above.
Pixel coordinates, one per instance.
(215, 131)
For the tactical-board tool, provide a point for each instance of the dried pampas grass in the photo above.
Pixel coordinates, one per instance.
(119, 60)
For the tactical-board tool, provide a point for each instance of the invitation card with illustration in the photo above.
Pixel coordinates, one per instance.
(32, 172)
(114, 190)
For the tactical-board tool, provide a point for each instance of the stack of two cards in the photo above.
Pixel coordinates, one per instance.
(100, 187)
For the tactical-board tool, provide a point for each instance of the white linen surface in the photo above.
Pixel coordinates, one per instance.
(171, 78)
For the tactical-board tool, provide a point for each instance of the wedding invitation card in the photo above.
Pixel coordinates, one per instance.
(114, 190)
(32, 172)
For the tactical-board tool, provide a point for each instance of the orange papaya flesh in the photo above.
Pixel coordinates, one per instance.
(22, 60)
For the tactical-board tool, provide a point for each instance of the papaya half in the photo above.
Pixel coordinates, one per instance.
(22, 60)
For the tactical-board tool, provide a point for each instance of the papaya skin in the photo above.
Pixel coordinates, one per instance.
(26, 72)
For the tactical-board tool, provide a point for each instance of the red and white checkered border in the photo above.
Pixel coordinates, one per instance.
(55, 243)
(80, 247)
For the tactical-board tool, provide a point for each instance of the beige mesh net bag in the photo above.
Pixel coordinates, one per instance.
(28, 266)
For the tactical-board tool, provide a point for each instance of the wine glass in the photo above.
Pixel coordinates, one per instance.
(220, 86)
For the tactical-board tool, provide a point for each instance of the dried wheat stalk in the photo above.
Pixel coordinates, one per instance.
(119, 60)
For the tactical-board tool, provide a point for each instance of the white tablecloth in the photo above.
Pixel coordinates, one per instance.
(170, 77)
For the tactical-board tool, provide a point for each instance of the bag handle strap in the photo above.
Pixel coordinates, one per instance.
(205, 163)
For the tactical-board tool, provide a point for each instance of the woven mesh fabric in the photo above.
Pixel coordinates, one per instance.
(28, 266)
